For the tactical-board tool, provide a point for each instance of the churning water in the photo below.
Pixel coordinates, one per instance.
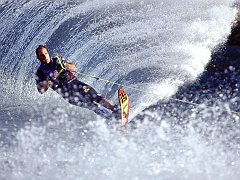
(152, 45)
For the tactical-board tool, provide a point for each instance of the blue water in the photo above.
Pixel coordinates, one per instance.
(161, 48)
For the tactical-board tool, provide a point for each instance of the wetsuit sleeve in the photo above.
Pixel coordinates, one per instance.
(40, 76)
(41, 81)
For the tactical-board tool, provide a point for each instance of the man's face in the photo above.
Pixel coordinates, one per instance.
(43, 56)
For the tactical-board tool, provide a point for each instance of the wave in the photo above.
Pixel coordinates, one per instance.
(155, 46)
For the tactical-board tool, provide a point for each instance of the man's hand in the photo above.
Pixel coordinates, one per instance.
(43, 86)
(70, 66)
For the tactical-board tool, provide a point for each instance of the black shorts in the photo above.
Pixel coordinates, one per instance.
(77, 92)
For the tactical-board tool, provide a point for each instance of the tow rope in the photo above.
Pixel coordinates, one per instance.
(129, 87)
(137, 89)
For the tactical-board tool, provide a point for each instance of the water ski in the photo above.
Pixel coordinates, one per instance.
(120, 114)
(124, 106)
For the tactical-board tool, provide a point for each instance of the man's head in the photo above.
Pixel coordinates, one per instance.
(42, 54)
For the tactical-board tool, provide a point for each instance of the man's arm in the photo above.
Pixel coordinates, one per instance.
(70, 66)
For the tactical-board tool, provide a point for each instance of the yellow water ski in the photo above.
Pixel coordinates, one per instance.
(124, 105)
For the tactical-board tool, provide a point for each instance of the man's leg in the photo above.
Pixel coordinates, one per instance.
(107, 104)
(116, 112)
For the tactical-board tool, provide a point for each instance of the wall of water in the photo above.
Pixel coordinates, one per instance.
(155, 46)
(149, 44)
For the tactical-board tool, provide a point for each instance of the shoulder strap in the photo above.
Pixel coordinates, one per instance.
(60, 61)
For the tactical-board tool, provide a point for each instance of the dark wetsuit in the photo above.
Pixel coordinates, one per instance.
(66, 84)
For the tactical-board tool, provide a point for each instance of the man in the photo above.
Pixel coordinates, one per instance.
(57, 74)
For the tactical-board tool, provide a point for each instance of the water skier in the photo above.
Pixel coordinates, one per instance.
(58, 75)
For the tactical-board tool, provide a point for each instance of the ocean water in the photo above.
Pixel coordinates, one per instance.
(154, 46)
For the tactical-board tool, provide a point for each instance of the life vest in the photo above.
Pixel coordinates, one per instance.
(55, 71)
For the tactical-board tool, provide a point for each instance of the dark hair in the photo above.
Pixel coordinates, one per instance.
(40, 47)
